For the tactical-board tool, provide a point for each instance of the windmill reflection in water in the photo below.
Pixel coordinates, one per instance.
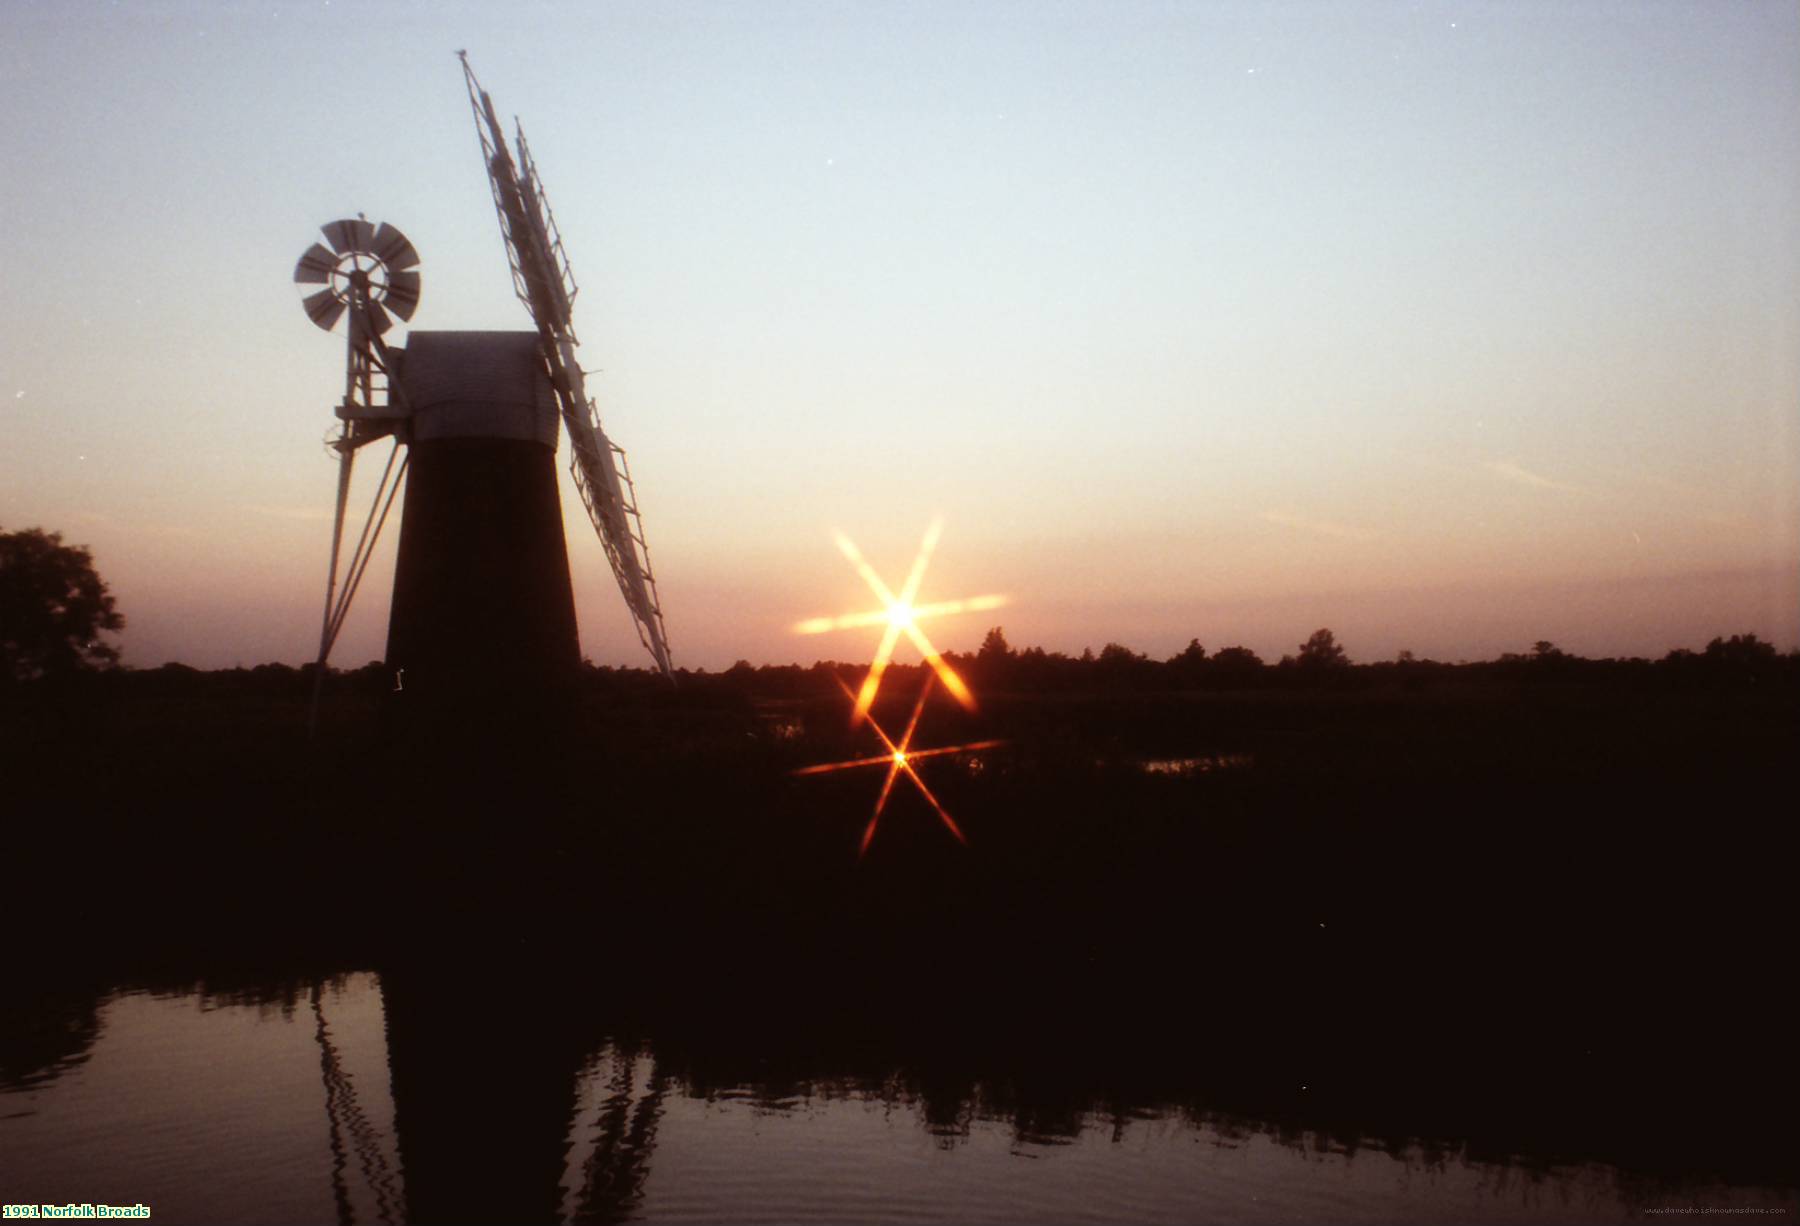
(488, 1103)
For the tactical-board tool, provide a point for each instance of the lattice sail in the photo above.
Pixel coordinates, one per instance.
(545, 283)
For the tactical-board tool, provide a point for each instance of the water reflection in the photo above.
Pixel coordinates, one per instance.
(1198, 764)
(351, 1131)
(44, 1033)
(483, 1062)
(620, 1132)
(503, 1090)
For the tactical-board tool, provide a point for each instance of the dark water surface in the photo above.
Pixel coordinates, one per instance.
(355, 1097)
(1458, 953)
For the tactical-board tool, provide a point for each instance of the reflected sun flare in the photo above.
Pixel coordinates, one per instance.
(899, 760)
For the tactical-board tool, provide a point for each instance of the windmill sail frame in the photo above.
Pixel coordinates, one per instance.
(545, 283)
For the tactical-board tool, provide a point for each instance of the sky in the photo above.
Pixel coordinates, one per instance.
(1451, 327)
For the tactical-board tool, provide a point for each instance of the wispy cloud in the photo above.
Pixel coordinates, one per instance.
(1509, 471)
(1320, 527)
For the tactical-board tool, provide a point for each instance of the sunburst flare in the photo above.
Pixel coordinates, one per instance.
(899, 759)
(900, 616)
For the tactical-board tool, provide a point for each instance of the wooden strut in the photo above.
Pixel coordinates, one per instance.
(366, 352)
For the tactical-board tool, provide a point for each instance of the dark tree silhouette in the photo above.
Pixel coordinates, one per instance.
(1117, 655)
(994, 648)
(1321, 651)
(1741, 650)
(1188, 667)
(995, 663)
(1235, 665)
(1192, 654)
(53, 608)
(1119, 667)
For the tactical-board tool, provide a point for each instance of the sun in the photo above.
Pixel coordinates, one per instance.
(900, 616)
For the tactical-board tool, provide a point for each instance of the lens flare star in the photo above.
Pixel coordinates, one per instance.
(900, 615)
(899, 760)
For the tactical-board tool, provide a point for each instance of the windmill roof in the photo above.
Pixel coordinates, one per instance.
(478, 385)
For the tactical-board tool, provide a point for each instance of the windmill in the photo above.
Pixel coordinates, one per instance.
(482, 595)
(365, 270)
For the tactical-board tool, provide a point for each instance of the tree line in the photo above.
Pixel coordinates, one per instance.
(1321, 662)
(54, 610)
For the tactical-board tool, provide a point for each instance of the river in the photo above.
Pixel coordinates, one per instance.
(354, 1097)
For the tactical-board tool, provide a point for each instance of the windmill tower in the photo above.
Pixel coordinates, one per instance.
(483, 609)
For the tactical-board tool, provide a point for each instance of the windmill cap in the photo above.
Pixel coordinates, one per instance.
(478, 385)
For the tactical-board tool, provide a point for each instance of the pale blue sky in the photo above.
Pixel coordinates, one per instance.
(1449, 326)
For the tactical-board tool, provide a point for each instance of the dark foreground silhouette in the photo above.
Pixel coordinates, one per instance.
(1540, 914)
